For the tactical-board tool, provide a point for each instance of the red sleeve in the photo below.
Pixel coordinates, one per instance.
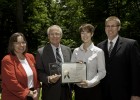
(9, 80)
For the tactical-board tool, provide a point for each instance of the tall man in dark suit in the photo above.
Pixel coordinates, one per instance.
(122, 81)
(52, 88)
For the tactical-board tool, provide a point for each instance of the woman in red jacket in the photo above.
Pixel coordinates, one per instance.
(19, 76)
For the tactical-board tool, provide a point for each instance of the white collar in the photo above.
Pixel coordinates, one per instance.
(91, 47)
(114, 40)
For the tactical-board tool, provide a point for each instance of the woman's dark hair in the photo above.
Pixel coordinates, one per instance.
(13, 39)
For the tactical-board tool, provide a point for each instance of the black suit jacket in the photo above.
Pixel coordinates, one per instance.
(44, 57)
(123, 70)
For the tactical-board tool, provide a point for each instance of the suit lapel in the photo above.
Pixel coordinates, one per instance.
(30, 62)
(116, 48)
(104, 47)
(21, 69)
(48, 52)
(64, 53)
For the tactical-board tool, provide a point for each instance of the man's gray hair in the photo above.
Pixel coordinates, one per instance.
(54, 26)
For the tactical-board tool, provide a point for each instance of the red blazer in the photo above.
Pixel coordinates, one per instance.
(14, 78)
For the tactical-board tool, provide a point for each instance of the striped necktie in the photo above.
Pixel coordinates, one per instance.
(110, 48)
(58, 57)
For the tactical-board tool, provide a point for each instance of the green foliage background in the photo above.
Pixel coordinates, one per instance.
(33, 17)
(37, 15)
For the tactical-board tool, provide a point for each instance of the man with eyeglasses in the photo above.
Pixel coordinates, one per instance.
(49, 57)
(122, 57)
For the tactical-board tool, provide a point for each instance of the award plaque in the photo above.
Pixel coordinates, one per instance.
(73, 72)
(55, 68)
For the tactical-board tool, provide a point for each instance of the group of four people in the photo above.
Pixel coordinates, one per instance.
(111, 75)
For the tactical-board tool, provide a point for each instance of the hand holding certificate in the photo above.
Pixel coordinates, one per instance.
(55, 72)
(73, 72)
(55, 68)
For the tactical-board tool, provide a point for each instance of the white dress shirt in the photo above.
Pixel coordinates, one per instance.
(95, 61)
(60, 51)
(114, 41)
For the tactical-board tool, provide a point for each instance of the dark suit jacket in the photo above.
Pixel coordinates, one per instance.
(123, 70)
(44, 57)
(14, 78)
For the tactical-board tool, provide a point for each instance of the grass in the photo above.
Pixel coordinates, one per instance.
(40, 95)
(72, 95)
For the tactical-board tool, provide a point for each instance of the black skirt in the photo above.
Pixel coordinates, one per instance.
(28, 97)
(93, 93)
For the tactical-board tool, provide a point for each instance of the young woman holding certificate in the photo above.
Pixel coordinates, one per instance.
(94, 58)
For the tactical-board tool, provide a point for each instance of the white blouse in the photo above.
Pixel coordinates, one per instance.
(95, 61)
(29, 72)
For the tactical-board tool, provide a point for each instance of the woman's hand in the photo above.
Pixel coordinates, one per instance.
(80, 61)
(84, 84)
(33, 94)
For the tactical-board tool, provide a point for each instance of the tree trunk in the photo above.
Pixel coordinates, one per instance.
(19, 16)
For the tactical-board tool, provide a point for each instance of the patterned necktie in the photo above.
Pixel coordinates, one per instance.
(110, 48)
(58, 57)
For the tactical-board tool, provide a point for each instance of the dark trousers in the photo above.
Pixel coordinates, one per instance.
(28, 97)
(65, 92)
(93, 93)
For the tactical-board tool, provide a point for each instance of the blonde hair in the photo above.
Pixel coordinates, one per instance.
(111, 18)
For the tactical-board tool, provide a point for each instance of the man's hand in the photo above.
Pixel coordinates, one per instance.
(54, 78)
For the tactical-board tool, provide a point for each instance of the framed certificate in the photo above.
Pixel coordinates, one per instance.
(73, 72)
(55, 68)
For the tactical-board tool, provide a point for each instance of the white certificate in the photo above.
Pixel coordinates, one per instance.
(73, 72)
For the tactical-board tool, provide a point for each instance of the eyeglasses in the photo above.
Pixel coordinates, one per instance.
(85, 32)
(111, 26)
(19, 43)
(55, 34)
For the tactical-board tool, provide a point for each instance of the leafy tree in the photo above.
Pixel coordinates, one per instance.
(69, 15)
(32, 17)
(128, 11)
(7, 24)
(19, 16)
(35, 22)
